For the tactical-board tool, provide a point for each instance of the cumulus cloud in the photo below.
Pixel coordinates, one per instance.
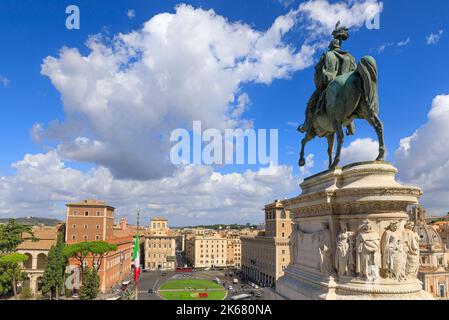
(434, 37)
(43, 183)
(360, 150)
(323, 15)
(128, 93)
(423, 157)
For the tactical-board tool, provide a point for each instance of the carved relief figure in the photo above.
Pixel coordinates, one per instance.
(325, 252)
(368, 253)
(342, 252)
(393, 255)
(411, 247)
(351, 253)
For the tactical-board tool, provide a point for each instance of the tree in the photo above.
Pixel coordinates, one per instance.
(11, 235)
(96, 250)
(11, 272)
(53, 278)
(91, 284)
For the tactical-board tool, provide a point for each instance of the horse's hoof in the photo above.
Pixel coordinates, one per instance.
(302, 162)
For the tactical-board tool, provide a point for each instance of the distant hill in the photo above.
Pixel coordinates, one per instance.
(223, 226)
(33, 221)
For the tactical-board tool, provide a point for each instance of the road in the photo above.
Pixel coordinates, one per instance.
(153, 280)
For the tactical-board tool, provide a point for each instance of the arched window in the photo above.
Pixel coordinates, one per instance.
(283, 214)
(86, 213)
(41, 261)
(29, 263)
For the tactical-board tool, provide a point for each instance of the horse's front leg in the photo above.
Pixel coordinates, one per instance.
(330, 147)
(380, 133)
(340, 140)
(302, 160)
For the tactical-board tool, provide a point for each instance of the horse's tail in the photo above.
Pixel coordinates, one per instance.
(367, 69)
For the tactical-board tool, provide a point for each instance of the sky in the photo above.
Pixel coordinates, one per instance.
(88, 113)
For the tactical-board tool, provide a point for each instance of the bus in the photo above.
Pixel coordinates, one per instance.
(241, 297)
(184, 269)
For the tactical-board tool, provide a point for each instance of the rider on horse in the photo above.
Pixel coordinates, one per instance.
(332, 64)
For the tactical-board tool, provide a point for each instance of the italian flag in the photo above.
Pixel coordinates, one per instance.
(136, 259)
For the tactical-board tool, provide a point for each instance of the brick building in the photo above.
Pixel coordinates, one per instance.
(93, 220)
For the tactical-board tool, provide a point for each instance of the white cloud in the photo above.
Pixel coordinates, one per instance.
(286, 3)
(423, 158)
(434, 37)
(4, 81)
(323, 15)
(43, 183)
(360, 150)
(126, 95)
(131, 13)
(402, 43)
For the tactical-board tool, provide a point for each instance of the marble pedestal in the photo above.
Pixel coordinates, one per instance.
(341, 208)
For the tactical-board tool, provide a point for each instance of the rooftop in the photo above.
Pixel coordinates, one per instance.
(89, 202)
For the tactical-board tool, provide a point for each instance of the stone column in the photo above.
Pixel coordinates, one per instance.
(34, 261)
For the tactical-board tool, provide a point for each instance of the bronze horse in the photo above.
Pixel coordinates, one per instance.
(350, 96)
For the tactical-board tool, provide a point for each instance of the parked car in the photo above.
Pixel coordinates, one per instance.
(164, 273)
(150, 290)
(230, 288)
(75, 296)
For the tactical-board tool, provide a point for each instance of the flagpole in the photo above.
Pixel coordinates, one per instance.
(137, 280)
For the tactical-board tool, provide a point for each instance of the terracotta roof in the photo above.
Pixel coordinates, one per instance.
(38, 245)
(89, 202)
(46, 238)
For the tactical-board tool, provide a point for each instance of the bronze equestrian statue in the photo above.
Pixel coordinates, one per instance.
(345, 92)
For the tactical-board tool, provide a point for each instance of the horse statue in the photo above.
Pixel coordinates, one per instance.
(350, 96)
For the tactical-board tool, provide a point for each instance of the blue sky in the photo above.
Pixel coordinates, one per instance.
(412, 72)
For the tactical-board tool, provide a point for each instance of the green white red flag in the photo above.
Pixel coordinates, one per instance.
(136, 259)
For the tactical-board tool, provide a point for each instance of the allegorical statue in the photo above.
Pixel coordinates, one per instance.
(411, 245)
(342, 252)
(325, 252)
(345, 92)
(368, 252)
(393, 255)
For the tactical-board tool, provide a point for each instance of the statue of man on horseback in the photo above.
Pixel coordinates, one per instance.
(345, 91)
(332, 64)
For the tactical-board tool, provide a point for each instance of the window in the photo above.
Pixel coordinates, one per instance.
(74, 212)
(98, 213)
(73, 237)
(98, 226)
(74, 226)
(86, 213)
(283, 235)
(97, 237)
(85, 237)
